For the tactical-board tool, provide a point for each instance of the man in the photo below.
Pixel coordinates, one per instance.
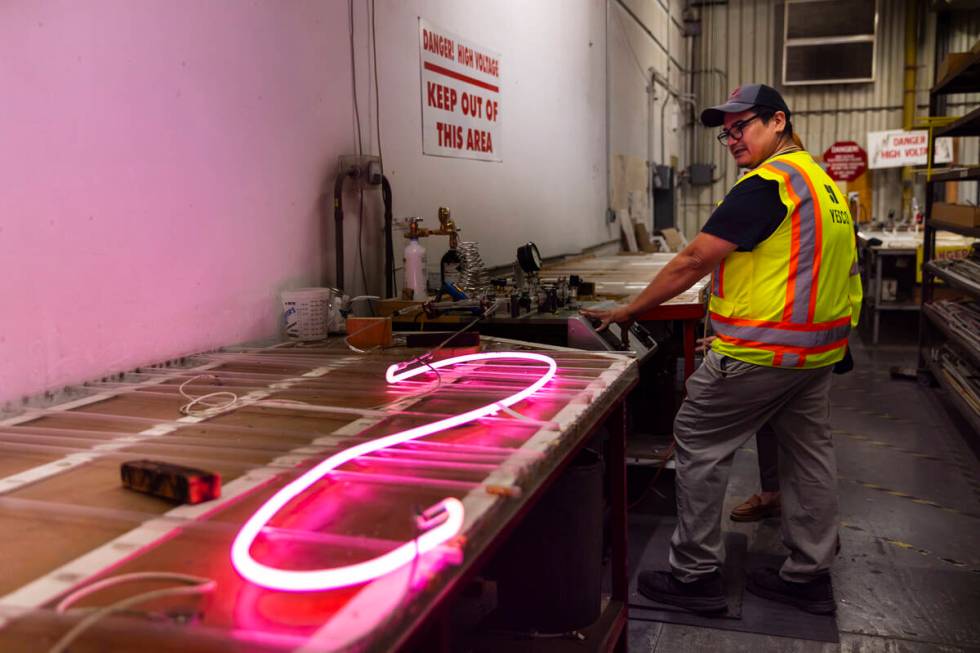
(784, 298)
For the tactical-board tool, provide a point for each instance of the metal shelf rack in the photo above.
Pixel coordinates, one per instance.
(933, 331)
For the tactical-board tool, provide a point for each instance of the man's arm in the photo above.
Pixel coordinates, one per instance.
(695, 261)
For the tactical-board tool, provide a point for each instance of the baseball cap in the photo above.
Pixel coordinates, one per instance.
(744, 98)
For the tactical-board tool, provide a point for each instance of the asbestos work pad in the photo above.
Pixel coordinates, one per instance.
(356, 490)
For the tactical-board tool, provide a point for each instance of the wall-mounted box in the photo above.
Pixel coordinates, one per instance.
(701, 174)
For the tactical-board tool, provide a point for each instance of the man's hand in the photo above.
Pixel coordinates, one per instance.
(704, 344)
(696, 260)
(618, 315)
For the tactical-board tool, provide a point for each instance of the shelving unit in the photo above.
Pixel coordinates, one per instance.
(964, 78)
(956, 399)
(940, 225)
(939, 321)
(956, 174)
(953, 280)
(965, 126)
(936, 334)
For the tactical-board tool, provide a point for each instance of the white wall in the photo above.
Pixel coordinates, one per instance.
(550, 187)
(162, 162)
(635, 103)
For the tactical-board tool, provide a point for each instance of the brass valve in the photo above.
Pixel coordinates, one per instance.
(446, 228)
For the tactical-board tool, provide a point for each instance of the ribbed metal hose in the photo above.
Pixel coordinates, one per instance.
(473, 278)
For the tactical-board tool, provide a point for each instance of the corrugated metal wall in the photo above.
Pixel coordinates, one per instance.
(740, 44)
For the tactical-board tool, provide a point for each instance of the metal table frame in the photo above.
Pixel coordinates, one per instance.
(873, 265)
(431, 631)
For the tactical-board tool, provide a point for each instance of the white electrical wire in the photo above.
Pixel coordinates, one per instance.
(206, 400)
(513, 413)
(230, 399)
(196, 585)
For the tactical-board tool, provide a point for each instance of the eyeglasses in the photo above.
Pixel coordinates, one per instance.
(735, 132)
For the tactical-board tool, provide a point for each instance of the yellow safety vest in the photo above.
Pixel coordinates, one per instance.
(792, 300)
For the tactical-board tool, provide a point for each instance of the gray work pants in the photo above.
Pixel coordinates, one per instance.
(767, 449)
(727, 402)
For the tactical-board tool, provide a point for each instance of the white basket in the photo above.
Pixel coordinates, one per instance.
(305, 312)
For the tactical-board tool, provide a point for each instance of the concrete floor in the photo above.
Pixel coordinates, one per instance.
(908, 576)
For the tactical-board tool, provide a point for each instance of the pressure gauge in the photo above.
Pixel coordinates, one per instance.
(529, 258)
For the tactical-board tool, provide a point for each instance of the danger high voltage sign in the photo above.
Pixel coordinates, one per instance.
(460, 96)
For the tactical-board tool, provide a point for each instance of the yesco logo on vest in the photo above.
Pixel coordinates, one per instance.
(836, 215)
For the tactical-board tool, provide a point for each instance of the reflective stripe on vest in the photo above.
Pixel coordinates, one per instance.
(785, 355)
(804, 266)
(782, 333)
(788, 359)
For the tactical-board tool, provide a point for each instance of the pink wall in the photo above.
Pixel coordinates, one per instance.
(160, 164)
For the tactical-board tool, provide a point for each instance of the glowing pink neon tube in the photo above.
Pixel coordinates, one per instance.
(442, 521)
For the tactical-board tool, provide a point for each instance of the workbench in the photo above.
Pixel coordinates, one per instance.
(895, 251)
(67, 521)
(617, 278)
(898, 253)
(624, 276)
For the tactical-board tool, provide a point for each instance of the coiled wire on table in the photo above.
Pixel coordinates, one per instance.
(474, 279)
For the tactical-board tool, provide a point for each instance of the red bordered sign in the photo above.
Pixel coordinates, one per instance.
(846, 161)
(461, 105)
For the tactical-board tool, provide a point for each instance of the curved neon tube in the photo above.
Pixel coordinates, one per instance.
(448, 513)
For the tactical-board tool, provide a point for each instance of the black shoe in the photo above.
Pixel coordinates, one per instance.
(816, 596)
(705, 595)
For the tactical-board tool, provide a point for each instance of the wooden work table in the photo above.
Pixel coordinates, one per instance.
(67, 521)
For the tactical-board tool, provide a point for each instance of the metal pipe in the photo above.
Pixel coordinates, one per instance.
(663, 109)
(709, 62)
(723, 87)
(338, 221)
(609, 211)
(667, 75)
(714, 71)
(908, 87)
(643, 26)
(908, 104)
(656, 78)
(665, 83)
(389, 239)
(669, 17)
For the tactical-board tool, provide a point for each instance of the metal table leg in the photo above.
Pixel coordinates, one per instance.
(877, 307)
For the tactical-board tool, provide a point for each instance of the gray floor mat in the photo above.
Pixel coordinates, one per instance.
(649, 538)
